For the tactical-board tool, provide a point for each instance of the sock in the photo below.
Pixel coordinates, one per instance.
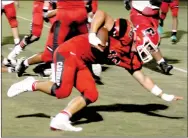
(34, 86)
(160, 61)
(66, 113)
(174, 32)
(16, 41)
(26, 63)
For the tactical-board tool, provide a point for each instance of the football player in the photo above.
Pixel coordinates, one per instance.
(40, 10)
(61, 30)
(9, 9)
(147, 12)
(174, 7)
(125, 49)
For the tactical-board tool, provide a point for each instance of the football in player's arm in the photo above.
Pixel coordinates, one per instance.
(138, 44)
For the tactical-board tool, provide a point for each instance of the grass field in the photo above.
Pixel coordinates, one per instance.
(124, 108)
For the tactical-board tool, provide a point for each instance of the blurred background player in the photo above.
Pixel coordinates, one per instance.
(40, 8)
(174, 7)
(66, 26)
(8, 8)
(147, 12)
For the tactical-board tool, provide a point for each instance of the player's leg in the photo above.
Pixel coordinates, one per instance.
(174, 9)
(164, 11)
(36, 30)
(162, 64)
(45, 56)
(10, 12)
(65, 70)
(89, 94)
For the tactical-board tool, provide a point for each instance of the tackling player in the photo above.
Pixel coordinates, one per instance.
(174, 7)
(147, 12)
(71, 59)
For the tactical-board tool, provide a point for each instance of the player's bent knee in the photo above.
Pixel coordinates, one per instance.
(90, 96)
(59, 92)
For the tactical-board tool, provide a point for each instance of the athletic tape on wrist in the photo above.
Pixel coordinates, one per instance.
(167, 97)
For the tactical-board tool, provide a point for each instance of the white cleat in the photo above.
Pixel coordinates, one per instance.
(20, 87)
(13, 54)
(59, 122)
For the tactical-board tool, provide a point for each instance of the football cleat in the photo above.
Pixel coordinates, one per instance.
(13, 54)
(21, 67)
(173, 38)
(43, 69)
(165, 68)
(59, 122)
(20, 87)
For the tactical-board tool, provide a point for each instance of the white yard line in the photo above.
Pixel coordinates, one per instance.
(178, 69)
(181, 70)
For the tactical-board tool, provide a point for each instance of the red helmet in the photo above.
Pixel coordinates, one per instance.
(123, 31)
(147, 41)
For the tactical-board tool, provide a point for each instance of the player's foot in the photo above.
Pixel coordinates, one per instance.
(166, 68)
(61, 122)
(6, 62)
(13, 54)
(21, 67)
(160, 30)
(173, 38)
(20, 87)
(44, 69)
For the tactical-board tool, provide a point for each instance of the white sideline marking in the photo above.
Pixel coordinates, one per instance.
(178, 69)
(182, 70)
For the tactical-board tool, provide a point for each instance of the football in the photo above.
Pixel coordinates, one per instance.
(102, 34)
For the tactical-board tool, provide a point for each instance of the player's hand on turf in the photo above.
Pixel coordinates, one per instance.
(176, 98)
(95, 41)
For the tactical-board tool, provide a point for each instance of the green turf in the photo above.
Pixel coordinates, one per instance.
(124, 108)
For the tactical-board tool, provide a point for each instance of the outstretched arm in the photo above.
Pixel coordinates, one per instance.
(148, 84)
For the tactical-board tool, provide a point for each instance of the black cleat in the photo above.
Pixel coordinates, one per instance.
(20, 68)
(166, 68)
(39, 69)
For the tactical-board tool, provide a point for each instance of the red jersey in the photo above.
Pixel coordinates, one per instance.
(121, 55)
(70, 4)
(117, 53)
(79, 46)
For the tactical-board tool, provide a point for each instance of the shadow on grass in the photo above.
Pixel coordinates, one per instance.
(180, 34)
(153, 65)
(9, 39)
(90, 114)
